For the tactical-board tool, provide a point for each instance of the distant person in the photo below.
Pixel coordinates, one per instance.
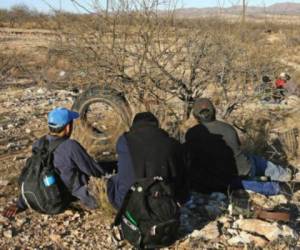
(72, 167)
(143, 152)
(216, 161)
(265, 89)
(281, 86)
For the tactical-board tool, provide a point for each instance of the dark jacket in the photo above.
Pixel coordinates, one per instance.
(147, 151)
(74, 166)
(213, 151)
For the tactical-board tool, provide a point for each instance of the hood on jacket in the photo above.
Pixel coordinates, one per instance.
(144, 119)
(204, 110)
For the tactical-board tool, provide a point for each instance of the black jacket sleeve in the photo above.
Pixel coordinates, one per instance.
(179, 173)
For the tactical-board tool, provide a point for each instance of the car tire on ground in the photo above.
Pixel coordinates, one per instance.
(112, 116)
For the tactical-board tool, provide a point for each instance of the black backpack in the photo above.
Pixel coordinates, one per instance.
(48, 199)
(149, 216)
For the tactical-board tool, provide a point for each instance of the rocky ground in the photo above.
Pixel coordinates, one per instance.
(208, 221)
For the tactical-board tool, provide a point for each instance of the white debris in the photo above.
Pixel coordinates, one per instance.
(62, 73)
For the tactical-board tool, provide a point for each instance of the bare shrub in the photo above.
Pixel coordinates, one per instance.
(143, 50)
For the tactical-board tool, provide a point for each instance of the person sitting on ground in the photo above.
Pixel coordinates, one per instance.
(71, 161)
(146, 151)
(216, 161)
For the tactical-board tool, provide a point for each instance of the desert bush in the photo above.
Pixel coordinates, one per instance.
(148, 51)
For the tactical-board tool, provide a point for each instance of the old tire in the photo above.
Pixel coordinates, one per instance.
(111, 115)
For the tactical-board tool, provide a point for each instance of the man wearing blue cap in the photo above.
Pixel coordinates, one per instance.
(70, 160)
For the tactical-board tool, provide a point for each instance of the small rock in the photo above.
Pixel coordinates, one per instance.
(28, 91)
(68, 212)
(75, 216)
(19, 157)
(246, 238)
(62, 73)
(41, 91)
(8, 234)
(184, 245)
(20, 222)
(74, 232)
(10, 126)
(66, 223)
(226, 221)
(236, 240)
(209, 232)
(4, 182)
(269, 230)
(289, 232)
(11, 145)
(3, 220)
(55, 237)
(45, 217)
(279, 199)
(109, 240)
(232, 231)
(28, 131)
(268, 202)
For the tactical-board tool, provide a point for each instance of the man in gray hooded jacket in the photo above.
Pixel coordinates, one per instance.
(216, 161)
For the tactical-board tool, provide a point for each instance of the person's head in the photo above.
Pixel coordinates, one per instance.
(266, 79)
(204, 110)
(144, 118)
(60, 121)
(284, 76)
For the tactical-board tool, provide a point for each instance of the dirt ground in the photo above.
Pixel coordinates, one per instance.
(23, 119)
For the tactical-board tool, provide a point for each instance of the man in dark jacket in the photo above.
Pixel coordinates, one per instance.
(216, 161)
(70, 160)
(147, 151)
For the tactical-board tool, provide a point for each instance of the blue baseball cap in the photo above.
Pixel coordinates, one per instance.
(60, 117)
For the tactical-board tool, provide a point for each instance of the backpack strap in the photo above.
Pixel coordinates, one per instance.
(52, 145)
(43, 146)
(55, 143)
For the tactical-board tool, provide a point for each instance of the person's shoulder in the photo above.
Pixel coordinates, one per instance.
(38, 143)
(197, 129)
(168, 137)
(224, 124)
(71, 145)
(70, 141)
(226, 127)
(122, 144)
(197, 126)
(122, 139)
